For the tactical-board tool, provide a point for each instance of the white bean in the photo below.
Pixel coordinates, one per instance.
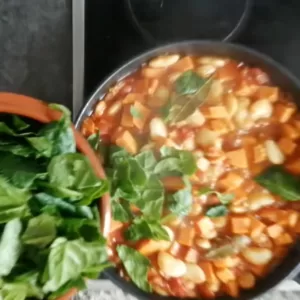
(274, 153)
(257, 256)
(194, 273)
(170, 232)
(170, 265)
(257, 201)
(211, 60)
(115, 108)
(203, 243)
(158, 129)
(194, 120)
(206, 137)
(261, 109)
(164, 61)
(206, 71)
(231, 104)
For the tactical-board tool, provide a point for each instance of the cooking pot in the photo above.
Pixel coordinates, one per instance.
(290, 266)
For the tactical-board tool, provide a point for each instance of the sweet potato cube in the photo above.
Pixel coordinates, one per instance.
(216, 112)
(115, 225)
(225, 275)
(267, 92)
(259, 153)
(293, 218)
(184, 64)
(259, 271)
(192, 256)
(257, 227)
(175, 248)
(133, 97)
(230, 181)
(238, 158)
(228, 72)
(173, 183)
(274, 231)
(294, 167)
(297, 227)
(142, 86)
(284, 239)
(152, 72)
(290, 131)
(283, 112)
(206, 228)
(287, 146)
(153, 86)
(240, 225)
(227, 262)
(127, 119)
(149, 247)
(208, 269)
(219, 126)
(186, 236)
(232, 289)
(143, 113)
(246, 280)
(127, 141)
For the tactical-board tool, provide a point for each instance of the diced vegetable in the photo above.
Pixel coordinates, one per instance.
(238, 158)
(257, 256)
(164, 61)
(171, 266)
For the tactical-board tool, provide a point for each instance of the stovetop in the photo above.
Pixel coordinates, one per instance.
(111, 39)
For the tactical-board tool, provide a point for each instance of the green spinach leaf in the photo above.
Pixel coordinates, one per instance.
(142, 228)
(21, 172)
(73, 171)
(68, 259)
(136, 266)
(188, 83)
(217, 211)
(59, 133)
(180, 203)
(78, 283)
(40, 231)
(182, 106)
(151, 198)
(176, 160)
(19, 123)
(10, 246)
(121, 210)
(13, 201)
(147, 160)
(224, 198)
(278, 181)
(43, 202)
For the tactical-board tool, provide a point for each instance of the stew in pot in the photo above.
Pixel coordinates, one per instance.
(202, 155)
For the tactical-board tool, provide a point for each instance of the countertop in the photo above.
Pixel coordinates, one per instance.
(36, 49)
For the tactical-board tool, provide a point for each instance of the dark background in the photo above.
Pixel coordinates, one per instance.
(36, 49)
(36, 42)
(273, 28)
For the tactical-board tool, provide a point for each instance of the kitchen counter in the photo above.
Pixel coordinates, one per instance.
(36, 49)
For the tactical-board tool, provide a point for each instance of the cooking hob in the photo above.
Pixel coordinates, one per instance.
(110, 39)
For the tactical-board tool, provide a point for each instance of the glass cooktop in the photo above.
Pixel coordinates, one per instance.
(110, 38)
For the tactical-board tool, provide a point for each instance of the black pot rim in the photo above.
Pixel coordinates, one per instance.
(290, 267)
(231, 36)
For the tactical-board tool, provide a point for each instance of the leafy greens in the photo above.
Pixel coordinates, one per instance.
(50, 236)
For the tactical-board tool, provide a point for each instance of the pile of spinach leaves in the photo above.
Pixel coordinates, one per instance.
(136, 181)
(50, 238)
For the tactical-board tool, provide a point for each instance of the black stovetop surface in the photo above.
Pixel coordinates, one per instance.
(273, 29)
